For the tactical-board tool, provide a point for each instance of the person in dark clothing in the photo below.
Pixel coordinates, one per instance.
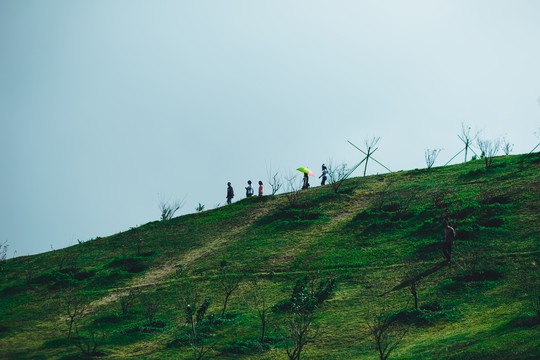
(449, 237)
(249, 189)
(306, 181)
(230, 193)
(324, 174)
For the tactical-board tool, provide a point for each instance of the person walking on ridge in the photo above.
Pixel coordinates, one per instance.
(230, 193)
(249, 189)
(260, 188)
(324, 174)
(306, 181)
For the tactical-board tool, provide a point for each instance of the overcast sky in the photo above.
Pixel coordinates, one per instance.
(108, 107)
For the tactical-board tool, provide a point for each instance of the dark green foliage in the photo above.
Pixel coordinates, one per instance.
(247, 346)
(426, 315)
(12, 290)
(130, 264)
(432, 229)
(527, 320)
(492, 222)
(479, 275)
(201, 312)
(108, 319)
(56, 279)
(147, 328)
(152, 304)
(57, 343)
(84, 275)
(304, 297)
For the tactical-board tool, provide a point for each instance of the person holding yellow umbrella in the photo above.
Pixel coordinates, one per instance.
(306, 172)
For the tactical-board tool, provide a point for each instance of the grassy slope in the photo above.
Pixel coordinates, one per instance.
(365, 237)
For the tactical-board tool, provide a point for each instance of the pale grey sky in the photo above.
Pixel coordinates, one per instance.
(106, 107)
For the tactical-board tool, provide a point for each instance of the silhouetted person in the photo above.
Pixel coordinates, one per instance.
(449, 237)
(230, 193)
(324, 174)
(306, 181)
(249, 189)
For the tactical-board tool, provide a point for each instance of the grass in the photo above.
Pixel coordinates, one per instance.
(365, 237)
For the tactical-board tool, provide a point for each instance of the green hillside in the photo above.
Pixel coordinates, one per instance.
(336, 264)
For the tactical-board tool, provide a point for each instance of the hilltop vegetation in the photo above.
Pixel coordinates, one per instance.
(336, 265)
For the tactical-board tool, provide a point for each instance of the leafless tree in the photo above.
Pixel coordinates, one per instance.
(370, 144)
(3, 253)
(380, 198)
(229, 278)
(151, 303)
(468, 258)
(128, 300)
(337, 174)
(133, 238)
(293, 192)
(467, 136)
(489, 149)
(413, 279)
(169, 208)
(89, 342)
(430, 156)
(385, 331)
(506, 147)
(73, 305)
(66, 258)
(532, 288)
(308, 293)
(29, 268)
(441, 196)
(274, 179)
(195, 311)
(256, 298)
(299, 332)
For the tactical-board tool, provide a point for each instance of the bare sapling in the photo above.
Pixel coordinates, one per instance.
(430, 156)
(169, 208)
(384, 330)
(489, 149)
(274, 179)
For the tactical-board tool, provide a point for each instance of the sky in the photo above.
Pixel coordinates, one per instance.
(108, 108)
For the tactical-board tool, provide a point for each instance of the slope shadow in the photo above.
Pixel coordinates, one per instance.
(419, 276)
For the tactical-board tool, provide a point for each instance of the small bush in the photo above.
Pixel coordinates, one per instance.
(132, 265)
(144, 327)
(491, 222)
(247, 347)
(479, 275)
(430, 229)
(57, 343)
(431, 248)
(425, 315)
(526, 320)
(465, 234)
(463, 214)
(70, 270)
(108, 319)
(83, 275)
(12, 290)
(106, 277)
